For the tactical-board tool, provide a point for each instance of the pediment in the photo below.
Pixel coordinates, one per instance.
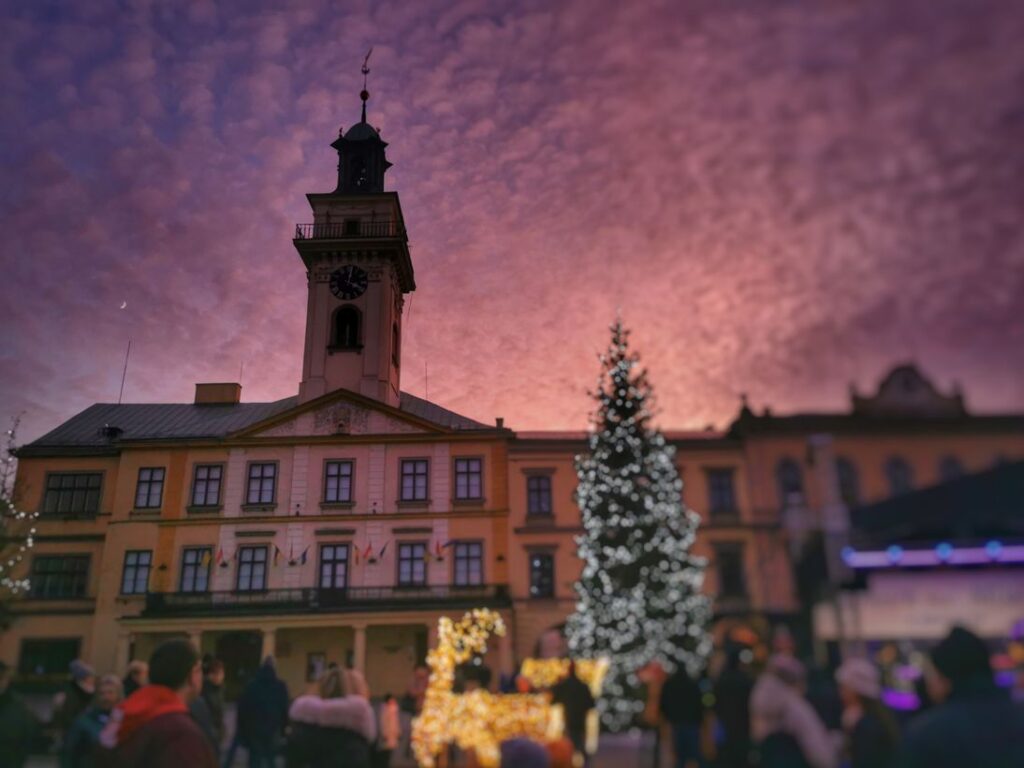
(340, 415)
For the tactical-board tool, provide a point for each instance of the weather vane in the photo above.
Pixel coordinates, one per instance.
(365, 69)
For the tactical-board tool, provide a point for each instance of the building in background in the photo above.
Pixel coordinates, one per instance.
(339, 524)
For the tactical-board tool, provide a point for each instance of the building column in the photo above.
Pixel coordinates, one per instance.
(505, 653)
(122, 653)
(269, 643)
(359, 648)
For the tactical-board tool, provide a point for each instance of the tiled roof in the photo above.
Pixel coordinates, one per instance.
(432, 412)
(158, 421)
(180, 421)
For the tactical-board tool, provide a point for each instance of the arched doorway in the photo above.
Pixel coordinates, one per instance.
(240, 652)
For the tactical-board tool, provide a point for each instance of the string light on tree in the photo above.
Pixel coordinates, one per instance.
(17, 527)
(639, 595)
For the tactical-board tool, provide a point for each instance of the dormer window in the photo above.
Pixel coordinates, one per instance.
(346, 330)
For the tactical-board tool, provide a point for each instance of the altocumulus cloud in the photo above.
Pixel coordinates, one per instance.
(780, 197)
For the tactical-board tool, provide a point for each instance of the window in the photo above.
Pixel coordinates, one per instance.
(206, 485)
(469, 478)
(195, 569)
(395, 348)
(721, 492)
(791, 483)
(59, 576)
(950, 468)
(542, 574)
(538, 495)
(135, 574)
(337, 482)
(414, 480)
(412, 564)
(849, 483)
(149, 492)
(729, 562)
(252, 569)
(72, 493)
(346, 328)
(262, 481)
(898, 472)
(469, 563)
(334, 566)
(46, 658)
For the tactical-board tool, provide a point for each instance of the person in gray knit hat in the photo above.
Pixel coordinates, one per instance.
(872, 735)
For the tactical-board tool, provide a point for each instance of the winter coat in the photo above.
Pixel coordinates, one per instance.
(213, 695)
(977, 726)
(199, 711)
(262, 710)
(330, 732)
(681, 700)
(871, 744)
(19, 729)
(389, 725)
(82, 738)
(71, 702)
(732, 708)
(152, 728)
(576, 700)
(777, 710)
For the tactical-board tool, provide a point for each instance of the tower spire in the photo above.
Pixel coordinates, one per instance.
(365, 94)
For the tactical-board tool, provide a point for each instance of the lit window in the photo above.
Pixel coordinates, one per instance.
(149, 492)
(469, 563)
(337, 481)
(262, 481)
(206, 485)
(252, 569)
(468, 478)
(414, 480)
(135, 574)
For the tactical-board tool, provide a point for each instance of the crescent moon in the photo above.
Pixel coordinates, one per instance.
(124, 304)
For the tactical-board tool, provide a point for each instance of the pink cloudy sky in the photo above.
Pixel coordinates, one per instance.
(782, 197)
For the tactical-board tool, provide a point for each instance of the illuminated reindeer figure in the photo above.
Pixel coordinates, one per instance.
(479, 720)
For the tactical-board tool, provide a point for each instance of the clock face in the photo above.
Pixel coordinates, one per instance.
(348, 282)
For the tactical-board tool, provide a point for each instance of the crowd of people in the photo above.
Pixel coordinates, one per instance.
(785, 717)
(170, 712)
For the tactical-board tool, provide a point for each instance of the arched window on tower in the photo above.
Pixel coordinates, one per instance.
(346, 331)
(849, 482)
(791, 483)
(899, 474)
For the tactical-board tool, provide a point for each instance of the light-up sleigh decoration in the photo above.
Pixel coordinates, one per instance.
(481, 720)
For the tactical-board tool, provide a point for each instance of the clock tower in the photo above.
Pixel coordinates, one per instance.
(358, 268)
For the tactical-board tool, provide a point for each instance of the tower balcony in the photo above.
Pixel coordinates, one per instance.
(350, 229)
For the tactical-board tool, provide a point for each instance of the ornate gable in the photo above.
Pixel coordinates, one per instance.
(905, 391)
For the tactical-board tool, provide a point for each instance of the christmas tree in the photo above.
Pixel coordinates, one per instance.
(17, 527)
(639, 598)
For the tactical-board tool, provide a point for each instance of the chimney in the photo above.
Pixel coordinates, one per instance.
(499, 422)
(218, 394)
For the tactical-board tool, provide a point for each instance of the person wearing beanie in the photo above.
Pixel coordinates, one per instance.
(872, 735)
(784, 727)
(76, 696)
(974, 722)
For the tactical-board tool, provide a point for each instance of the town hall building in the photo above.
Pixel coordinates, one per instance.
(340, 523)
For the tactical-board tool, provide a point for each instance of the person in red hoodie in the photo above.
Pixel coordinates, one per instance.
(152, 727)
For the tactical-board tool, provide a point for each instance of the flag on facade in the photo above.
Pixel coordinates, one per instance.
(220, 555)
(383, 549)
(277, 554)
(303, 558)
(438, 549)
(357, 554)
(368, 552)
(204, 561)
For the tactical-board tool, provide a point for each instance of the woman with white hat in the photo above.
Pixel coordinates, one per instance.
(872, 735)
